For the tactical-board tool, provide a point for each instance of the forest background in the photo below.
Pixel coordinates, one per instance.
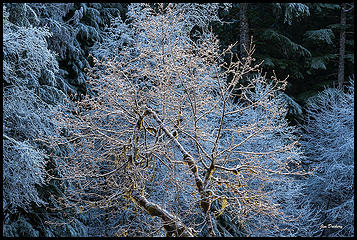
(313, 44)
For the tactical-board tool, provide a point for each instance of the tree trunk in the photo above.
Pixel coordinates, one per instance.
(341, 60)
(172, 224)
(243, 38)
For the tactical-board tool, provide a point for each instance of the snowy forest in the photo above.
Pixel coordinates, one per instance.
(178, 120)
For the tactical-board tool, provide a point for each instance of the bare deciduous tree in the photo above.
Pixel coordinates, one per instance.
(161, 132)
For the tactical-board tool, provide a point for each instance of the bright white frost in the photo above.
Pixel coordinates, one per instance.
(26, 55)
(164, 64)
(329, 143)
(27, 61)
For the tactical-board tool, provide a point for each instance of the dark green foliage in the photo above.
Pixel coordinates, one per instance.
(299, 40)
(75, 28)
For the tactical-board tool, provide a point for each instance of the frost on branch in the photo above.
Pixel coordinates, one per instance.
(120, 34)
(26, 61)
(329, 143)
(29, 69)
(161, 130)
(23, 170)
(26, 56)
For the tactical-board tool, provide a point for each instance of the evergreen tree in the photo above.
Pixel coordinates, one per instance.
(75, 28)
(29, 97)
(305, 35)
(329, 142)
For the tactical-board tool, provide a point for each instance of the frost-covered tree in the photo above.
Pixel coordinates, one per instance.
(62, 39)
(118, 34)
(26, 55)
(329, 144)
(27, 61)
(29, 93)
(161, 136)
(74, 28)
(269, 136)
